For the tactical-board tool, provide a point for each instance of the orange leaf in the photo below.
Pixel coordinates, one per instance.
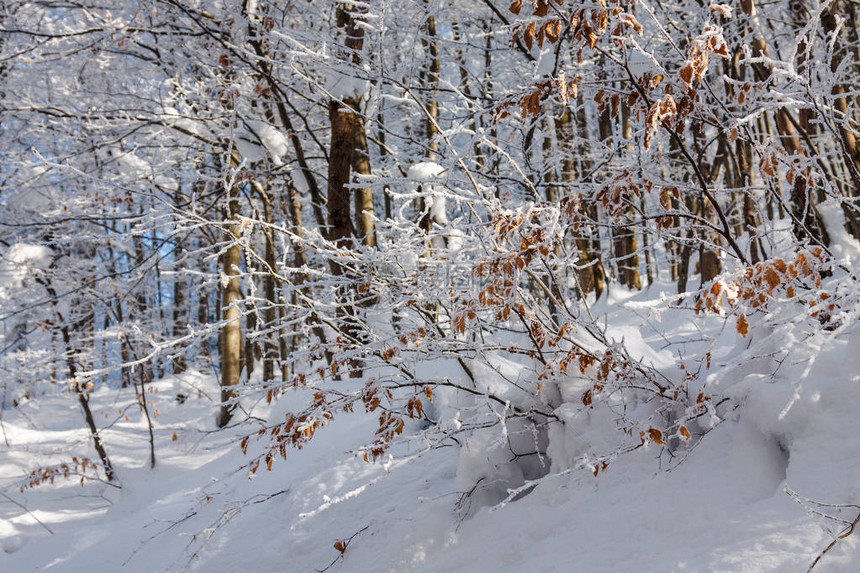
(516, 6)
(766, 166)
(656, 436)
(686, 74)
(459, 323)
(586, 398)
(529, 34)
(743, 325)
(552, 30)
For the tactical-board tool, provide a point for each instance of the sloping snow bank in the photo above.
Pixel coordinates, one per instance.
(720, 506)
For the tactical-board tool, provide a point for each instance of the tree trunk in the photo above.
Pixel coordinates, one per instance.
(231, 331)
(343, 118)
(364, 210)
(626, 245)
(79, 388)
(180, 299)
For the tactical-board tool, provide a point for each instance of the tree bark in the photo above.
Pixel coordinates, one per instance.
(343, 118)
(180, 298)
(231, 331)
(364, 209)
(80, 390)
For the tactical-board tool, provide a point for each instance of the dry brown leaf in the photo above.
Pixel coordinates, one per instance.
(743, 325)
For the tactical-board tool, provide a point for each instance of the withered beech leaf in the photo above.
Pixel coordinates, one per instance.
(656, 436)
(743, 325)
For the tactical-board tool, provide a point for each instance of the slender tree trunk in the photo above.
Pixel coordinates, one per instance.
(364, 209)
(79, 387)
(180, 300)
(158, 362)
(140, 309)
(271, 353)
(467, 93)
(203, 315)
(589, 244)
(231, 331)
(250, 350)
(430, 80)
(430, 42)
(626, 245)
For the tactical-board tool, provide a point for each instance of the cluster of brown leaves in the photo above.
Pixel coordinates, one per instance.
(577, 358)
(622, 191)
(679, 428)
(612, 367)
(655, 436)
(671, 112)
(572, 207)
(589, 25)
(530, 102)
(390, 426)
(542, 27)
(43, 475)
(710, 41)
(775, 154)
(661, 112)
(758, 284)
(528, 242)
(295, 431)
(298, 429)
(585, 26)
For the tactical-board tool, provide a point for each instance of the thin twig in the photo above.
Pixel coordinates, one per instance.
(344, 543)
(30, 513)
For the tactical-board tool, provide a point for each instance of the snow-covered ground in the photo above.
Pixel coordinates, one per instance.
(745, 498)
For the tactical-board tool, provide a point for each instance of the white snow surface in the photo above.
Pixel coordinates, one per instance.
(722, 507)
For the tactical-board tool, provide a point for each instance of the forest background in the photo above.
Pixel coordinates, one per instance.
(547, 241)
